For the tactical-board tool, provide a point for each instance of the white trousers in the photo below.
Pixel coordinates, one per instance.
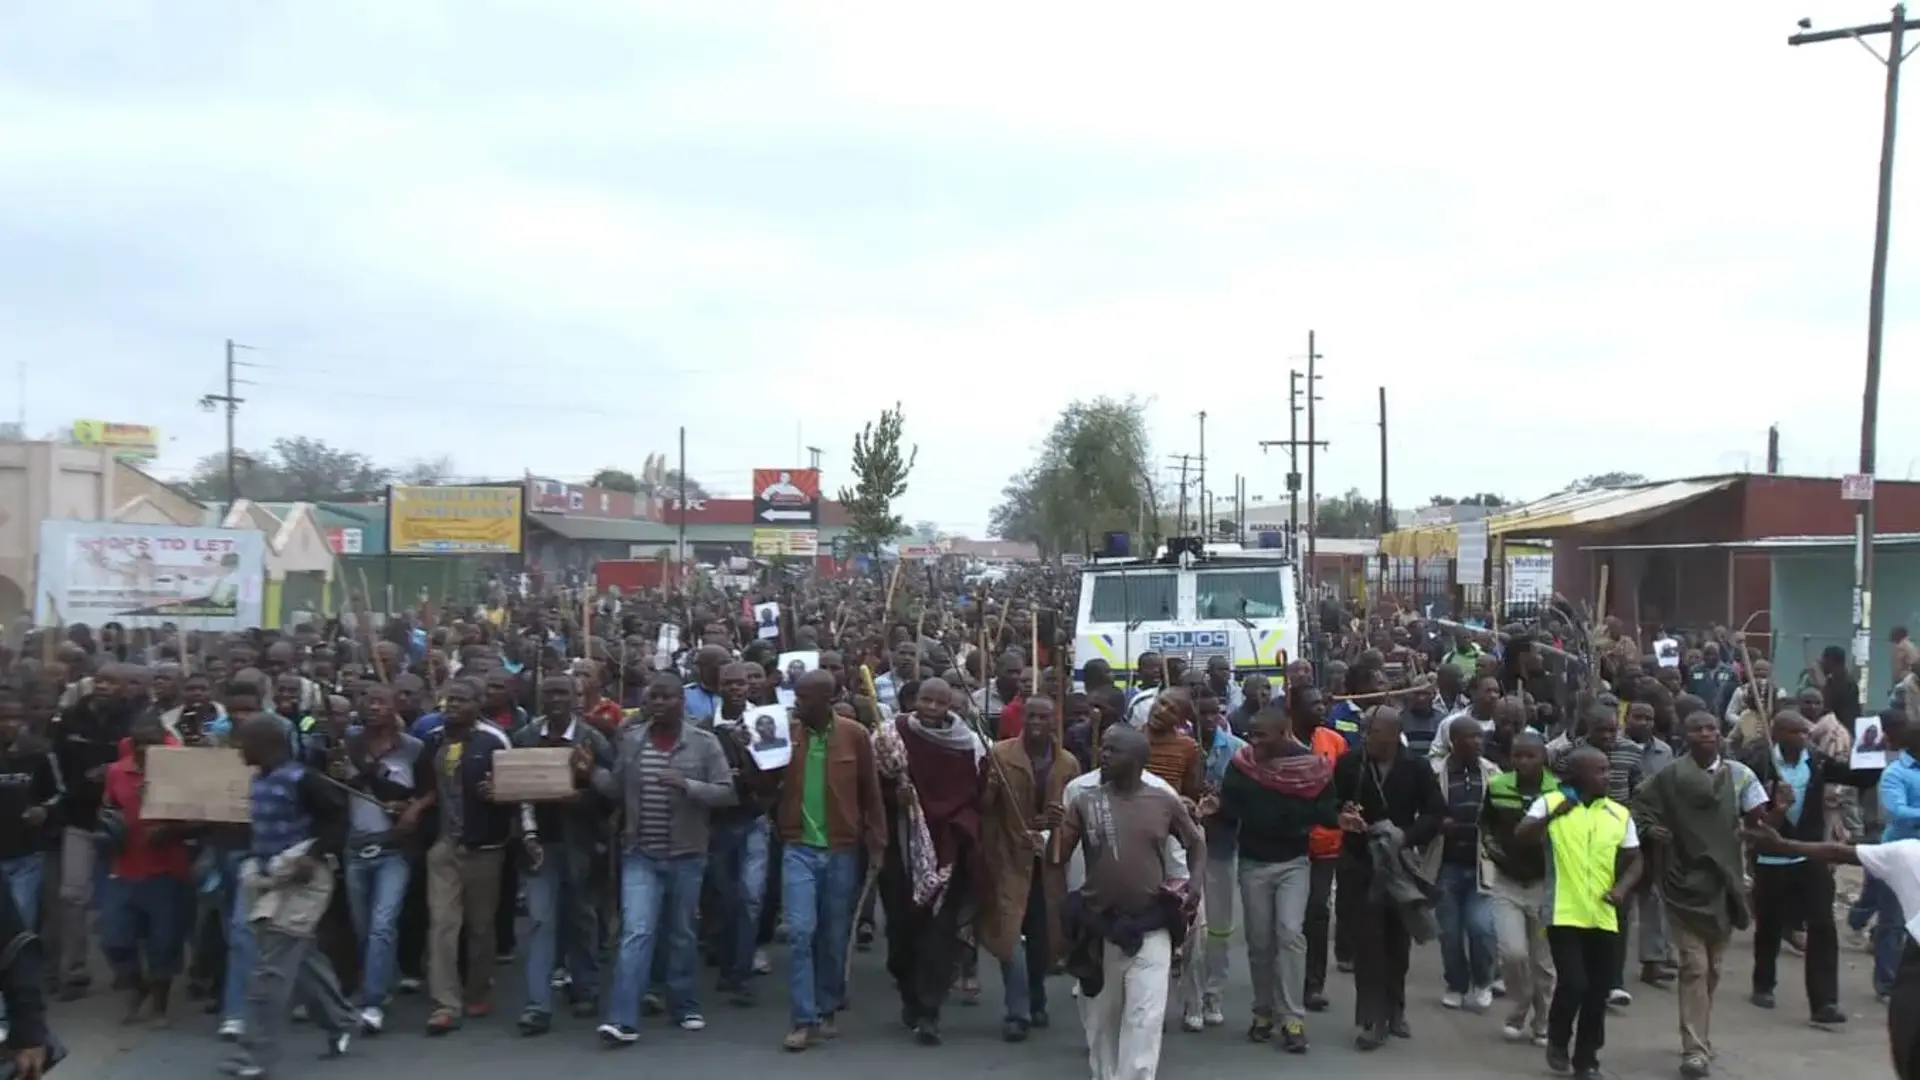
(1123, 1022)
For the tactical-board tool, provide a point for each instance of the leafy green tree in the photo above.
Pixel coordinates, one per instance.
(880, 472)
(1606, 480)
(615, 480)
(1484, 498)
(1351, 516)
(300, 469)
(1094, 475)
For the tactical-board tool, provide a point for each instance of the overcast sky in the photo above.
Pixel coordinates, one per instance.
(544, 235)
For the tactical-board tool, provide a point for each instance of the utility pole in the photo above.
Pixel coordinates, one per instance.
(813, 457)
(1313, 498)
(1386, 513)
(1180, 525)
(1293, 443)
(680, 546)
(1204, 500)
(1896, 32)
(209, 402)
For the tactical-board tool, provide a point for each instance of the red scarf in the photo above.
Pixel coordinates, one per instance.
(1302, 776)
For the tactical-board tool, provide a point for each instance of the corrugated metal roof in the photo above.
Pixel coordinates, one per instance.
(1612, 508)
(629, 531)
(1601, 508)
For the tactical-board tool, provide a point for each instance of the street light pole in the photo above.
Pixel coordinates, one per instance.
(1895, 30)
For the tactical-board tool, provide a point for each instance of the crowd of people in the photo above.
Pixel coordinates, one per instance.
(1566, 816)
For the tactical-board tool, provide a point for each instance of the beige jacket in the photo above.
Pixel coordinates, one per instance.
(1430, 859)
(273, 897)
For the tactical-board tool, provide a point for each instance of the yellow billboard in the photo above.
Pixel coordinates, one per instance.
(135, 442)
(802, 543)
(454, 520)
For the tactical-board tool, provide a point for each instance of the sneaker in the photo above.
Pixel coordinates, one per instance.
(560, 979)
(1452, 999)
(1293, 1037)
(798, 1039)
(827, 1028)
(693, 1022)
(232, 1030)
(1040, 1021)
(443, 1022)
(1211, 1014)
(373, 1020)
(1619, 998)
(534, 1022)
(1829, 1014)
(651, 1005)
(615, 1035)
(1498, 987)
(408, 985)
(1317, 1001)
(1515, 1033)
(1558, 1061)
(761, 964)
(1013, 1031)
(337, 1044)
(1695, 1067)
(1261, 1030)
(1192, 1022)
(1479, 999)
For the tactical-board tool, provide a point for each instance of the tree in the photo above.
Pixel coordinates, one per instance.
(1350, 516)
(880, 474)
(1606, 480)
(300, 469)
(1485, 498)
(1094, 475)
(926, 532)
(425, 472)
(615, 480)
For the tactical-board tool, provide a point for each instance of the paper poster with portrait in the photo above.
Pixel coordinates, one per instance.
(766, 620)
(791, 666)
(767, 737)
(1869, 743)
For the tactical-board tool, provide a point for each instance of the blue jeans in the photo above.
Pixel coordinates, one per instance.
(1466, 929)
(1025, 976)
(376, 890)
(1889, 938)
(817, 893)
(659, 898)
(737, 868)
(143, 926)
(1866, 905)
(561, 916)
(25, 876)
(240, 948)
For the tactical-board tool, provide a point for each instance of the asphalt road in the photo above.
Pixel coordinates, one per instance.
(1642, 1039)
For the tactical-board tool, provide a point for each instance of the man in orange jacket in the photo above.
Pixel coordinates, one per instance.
(1307, 709)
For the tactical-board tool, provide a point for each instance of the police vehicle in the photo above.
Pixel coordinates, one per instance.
(1193, 601)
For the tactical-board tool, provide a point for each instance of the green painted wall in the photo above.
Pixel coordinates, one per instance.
(1812, 607)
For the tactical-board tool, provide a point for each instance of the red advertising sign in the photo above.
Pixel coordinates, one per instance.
(786, 496)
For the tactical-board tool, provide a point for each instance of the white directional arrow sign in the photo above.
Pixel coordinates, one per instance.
(785, 515)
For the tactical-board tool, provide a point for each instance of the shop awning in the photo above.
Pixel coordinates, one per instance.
(1603, 509)
(615, 530)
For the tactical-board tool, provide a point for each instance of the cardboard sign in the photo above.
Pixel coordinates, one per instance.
(535, 774)
(188, 783)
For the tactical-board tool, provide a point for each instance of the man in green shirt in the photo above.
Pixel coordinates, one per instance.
(829, 809)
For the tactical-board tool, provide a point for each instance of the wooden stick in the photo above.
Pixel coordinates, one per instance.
(893, 583)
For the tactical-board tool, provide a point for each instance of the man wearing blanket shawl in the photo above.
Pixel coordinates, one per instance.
(930, 779)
